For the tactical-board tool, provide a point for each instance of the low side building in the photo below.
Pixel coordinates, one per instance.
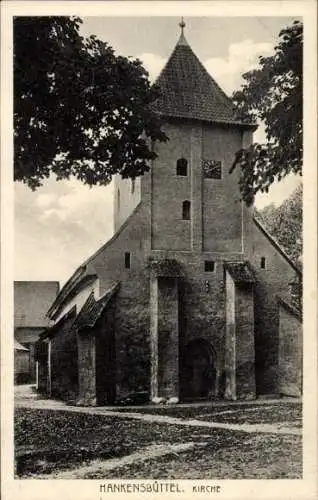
(32, 300)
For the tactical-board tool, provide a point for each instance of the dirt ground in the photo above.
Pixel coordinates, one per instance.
(205, 441)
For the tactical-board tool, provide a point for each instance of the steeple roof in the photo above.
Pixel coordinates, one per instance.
(187, 90)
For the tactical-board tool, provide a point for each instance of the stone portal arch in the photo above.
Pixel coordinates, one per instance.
(198, 370)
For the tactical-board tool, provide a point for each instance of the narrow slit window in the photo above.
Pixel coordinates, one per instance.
(209, 266)
(118, 199)
(186, 210)
(132, 186)
(182, 167)
(127, 260)
(263, 263)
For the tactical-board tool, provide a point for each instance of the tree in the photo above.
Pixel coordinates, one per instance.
(285, 223)
(78, 108)
(273, 94)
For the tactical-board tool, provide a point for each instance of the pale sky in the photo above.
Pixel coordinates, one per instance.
(62, 223)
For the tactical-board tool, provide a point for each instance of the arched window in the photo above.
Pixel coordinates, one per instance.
(182, 167)
(186, 210)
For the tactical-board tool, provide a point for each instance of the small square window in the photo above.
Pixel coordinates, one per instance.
(209, 266)
(212, 169)
(263, 263)
(127, 260)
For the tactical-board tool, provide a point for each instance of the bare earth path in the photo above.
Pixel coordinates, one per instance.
(98, 466)
(50, 404)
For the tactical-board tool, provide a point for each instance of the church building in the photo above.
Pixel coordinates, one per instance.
(191, 298)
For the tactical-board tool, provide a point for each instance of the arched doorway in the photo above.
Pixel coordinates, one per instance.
(198, 370)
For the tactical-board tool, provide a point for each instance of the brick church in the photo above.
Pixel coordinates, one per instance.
(191, 298)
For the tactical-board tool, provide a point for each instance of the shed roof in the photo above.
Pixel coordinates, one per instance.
(241, 272)
(32, 300)
(187, 90)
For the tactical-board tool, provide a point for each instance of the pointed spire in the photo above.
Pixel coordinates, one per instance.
(182, 40)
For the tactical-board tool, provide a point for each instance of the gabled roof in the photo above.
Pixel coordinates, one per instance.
(289, 306)
(275, 244)
(70, 289)
(32, 300)
(93, 309)
(241, 272)
(187, 90)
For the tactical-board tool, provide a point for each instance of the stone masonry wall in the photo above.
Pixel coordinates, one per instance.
(86, 368)
(290, 353)
(245, 350)
(155, 229)
(272, 280)
(126, 197)
(230, 340)
(106, 356)
(169, 231)
(64, 371)
(168, 337)
(216, 221)
(221, 206)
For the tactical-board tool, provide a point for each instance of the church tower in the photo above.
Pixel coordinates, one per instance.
(195, 202)
(194, 220)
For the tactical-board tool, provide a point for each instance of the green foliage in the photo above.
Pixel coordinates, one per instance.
(78, 108)
(285, 223)
(273, 94)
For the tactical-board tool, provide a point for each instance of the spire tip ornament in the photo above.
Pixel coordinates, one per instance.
(182, 40)
(182, 25)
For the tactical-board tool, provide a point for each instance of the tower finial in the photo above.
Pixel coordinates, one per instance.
(182, 40)
(182, 25)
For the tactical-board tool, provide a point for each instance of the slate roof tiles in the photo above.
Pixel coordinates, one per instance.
(187, 90)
